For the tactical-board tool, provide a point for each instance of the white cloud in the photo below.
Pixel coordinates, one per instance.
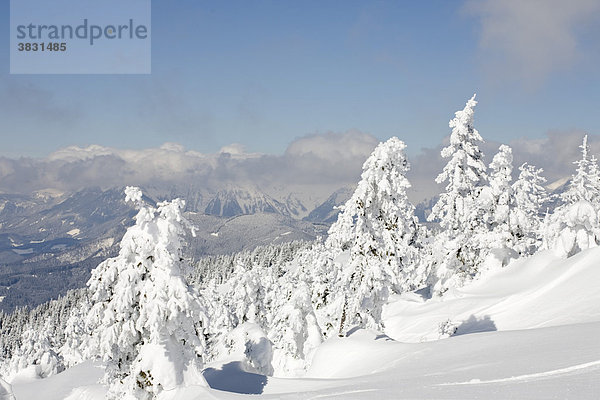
(531, 39)
(234, 148)
(333, 146)
(76, 153)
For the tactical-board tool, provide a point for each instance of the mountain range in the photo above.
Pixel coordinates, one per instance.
(49, 241)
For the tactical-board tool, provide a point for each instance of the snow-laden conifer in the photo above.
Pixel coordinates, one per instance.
(498, 241)
(378, 229)
(497, 199)
(144, 317)
(459, 209)
(530, 198)
(73, 349)
(250, 293)
(574, 225)
(594, 181)
(37, 351)
(294, 331)
(583, 186)
(315, 266)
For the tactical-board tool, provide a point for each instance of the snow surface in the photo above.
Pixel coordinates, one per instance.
(540, 291)
(526, 331)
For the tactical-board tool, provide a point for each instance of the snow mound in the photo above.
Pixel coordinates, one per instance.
(78, 382)
(338, 357)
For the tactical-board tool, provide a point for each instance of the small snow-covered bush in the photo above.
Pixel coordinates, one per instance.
(248, 344)
(295, 332)
(447, 328)
(572, 228)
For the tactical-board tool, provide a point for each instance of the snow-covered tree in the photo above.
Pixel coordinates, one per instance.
(222, 320)
(316, 267)
(379, 231)
(529, 199)
(594, 182)
(249, 294)
(498, 202)
(584, 185)
(76, 332)
(459, 209)
(261, 310)
(37, 351)
(243, 311)
(574, 225)
(144, 316)
(248, 345)
(33, 338)
(294, 332)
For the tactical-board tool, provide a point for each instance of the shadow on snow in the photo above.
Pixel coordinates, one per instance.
(475, 324)
(231, 377)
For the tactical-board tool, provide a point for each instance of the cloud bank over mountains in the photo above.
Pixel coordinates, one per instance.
(330, 159)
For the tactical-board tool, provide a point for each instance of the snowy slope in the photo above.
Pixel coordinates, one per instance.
(540, 291)
(542, 321)
(558, 362)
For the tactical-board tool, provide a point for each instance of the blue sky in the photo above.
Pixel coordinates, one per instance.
(263, 73)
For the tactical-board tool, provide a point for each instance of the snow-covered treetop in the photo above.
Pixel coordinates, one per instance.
(501, 165)
(466, 168)
(497, 198)
(462, 124)
(584, 185)
(465, 172)
(529, 191)
(388, 156)
(133, 194)
(378, 228)
(574, 226)
(379, 201)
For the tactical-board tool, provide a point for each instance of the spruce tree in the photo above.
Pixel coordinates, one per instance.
(294, 330)
(530, 198)
(144, 316)
(378, 229)
(574, 225)
(497, 241)
(458, 210)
